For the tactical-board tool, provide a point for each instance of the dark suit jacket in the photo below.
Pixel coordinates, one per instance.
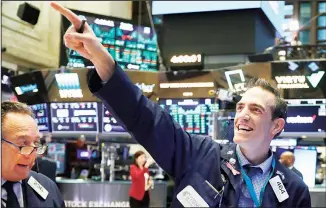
(47, 167)
(33, 199)
(297, 172)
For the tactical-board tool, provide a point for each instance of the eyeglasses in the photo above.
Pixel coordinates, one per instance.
(27, 150)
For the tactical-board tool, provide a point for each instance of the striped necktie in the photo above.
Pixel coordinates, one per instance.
(12, 200)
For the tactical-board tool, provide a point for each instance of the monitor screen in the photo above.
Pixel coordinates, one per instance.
(57, 152)
(41, 114)
(74, 117)
(133, 47)
(30, 88)
(306, 163)
(194, 115)
(109, 123)
(306, 116)
(68, 85)
(83, 154)
(225, 126)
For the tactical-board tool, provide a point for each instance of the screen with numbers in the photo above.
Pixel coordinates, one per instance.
(109, 123)
(194, 115)
(74, 117)
(133, 47)
(41, 114)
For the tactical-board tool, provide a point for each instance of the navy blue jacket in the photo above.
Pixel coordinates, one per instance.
(296, 171)
(189, 159)
(33, 199)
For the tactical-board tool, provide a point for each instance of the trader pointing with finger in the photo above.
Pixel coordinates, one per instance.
(206, 174)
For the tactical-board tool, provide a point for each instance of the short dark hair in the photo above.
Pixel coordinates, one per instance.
(136, 155)
(280, 108)
(14, 107)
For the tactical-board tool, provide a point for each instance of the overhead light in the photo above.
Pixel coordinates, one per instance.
(187, 94)
(282, 53)
(294, 25)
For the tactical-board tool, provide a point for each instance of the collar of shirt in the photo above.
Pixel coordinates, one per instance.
(291, 167)
(3, 181)
(265, 166)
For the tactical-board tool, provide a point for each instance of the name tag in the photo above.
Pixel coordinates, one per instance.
(38, 187)
(279, 188)
(188, 197)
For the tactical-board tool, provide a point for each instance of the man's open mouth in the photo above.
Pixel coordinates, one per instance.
(244, 128)
(21, 165)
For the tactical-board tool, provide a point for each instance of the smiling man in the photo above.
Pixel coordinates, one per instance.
(22, 187)
(206, 174)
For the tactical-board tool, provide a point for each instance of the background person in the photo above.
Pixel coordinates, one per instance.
(287, 159)
(140, 181)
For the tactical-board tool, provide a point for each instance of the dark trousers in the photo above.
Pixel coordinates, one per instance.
(144, 203)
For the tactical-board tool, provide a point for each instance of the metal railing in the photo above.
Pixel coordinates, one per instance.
(289, 52)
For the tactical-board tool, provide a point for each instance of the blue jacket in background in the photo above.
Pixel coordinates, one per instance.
(190, 159)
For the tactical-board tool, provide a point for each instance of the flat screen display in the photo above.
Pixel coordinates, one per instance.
(41, 114)
(133, 47)
(30, 88)
(306, 119)
(57, 152)
(194, 115)
(83, 154)
(74, 117)
(109, 123)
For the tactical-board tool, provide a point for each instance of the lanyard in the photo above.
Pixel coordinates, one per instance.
(251, 187)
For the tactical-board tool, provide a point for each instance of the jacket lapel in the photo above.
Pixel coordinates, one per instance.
(227, 153)
(31, 198)
(269, 195)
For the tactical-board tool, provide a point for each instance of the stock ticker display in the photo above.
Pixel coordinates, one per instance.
(131, 46)
(77, 117)
(41, 114)
(109, 123)
(194, 115)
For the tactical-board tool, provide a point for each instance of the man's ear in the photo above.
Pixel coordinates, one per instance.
(278, 126)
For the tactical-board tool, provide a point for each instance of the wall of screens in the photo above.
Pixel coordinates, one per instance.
(194, 115)
(305, 117)
(74, 117)
(133, 47)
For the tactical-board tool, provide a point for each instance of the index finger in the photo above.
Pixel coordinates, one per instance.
(72, 17)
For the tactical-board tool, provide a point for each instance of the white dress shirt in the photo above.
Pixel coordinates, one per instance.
(18, 191)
